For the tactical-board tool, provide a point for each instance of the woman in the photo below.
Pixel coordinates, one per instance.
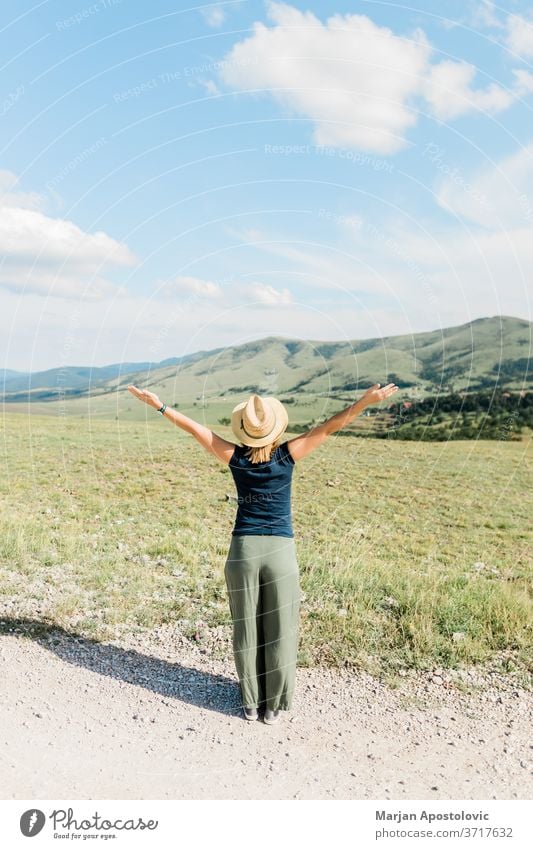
(261, 569)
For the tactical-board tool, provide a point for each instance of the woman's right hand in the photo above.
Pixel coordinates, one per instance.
(149, 398)
(376, 394)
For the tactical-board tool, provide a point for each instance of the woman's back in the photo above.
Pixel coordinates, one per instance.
(263, 492)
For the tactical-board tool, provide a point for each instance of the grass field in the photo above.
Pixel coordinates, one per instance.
(411, 554)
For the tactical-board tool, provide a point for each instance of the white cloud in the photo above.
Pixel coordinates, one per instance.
(26, 233)
(316, 262)
(498, 197)
(479, 14)
(214, 16)
(449, 92)
(524, 81)
(10, 196)
(488, 271)
(434, 276)
(353, 78)
(519, 36)
(210, 86)
(265, 294)
(44, 254)
(484, 15)
(190, 286)
(358, 83)
(229, 294)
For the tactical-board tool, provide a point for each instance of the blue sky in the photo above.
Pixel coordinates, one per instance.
(177, 179)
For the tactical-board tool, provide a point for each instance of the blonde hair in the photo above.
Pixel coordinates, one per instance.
(264, 453)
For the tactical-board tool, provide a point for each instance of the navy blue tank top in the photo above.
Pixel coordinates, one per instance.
(263, 492)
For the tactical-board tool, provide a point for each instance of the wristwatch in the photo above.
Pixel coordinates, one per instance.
(162, 409)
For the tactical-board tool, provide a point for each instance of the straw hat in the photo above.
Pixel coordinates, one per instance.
(259, 420)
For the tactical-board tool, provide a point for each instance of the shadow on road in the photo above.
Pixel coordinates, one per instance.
(173, 680)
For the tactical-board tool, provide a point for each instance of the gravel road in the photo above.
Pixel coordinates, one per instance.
(155, 716)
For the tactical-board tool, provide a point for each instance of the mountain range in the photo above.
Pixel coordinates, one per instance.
(486, 353)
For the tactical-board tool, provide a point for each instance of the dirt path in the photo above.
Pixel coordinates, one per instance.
(128, 720)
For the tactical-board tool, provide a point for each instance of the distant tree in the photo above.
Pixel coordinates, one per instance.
(392, 377)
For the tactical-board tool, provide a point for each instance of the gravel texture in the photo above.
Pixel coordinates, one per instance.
(155, 715)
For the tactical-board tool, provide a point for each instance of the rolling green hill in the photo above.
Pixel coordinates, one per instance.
(316, 378)
(76, 378)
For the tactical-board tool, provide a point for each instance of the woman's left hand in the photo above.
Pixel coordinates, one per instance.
(144, 395)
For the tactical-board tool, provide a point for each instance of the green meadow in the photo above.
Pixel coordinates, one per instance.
(412, 554)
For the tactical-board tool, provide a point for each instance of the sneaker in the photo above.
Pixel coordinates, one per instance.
(271, 716)
(250, 713)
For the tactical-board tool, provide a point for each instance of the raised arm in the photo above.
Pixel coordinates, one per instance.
(303, 445)
(221, 448)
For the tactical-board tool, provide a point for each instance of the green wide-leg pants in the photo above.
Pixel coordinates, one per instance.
(263, 582)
